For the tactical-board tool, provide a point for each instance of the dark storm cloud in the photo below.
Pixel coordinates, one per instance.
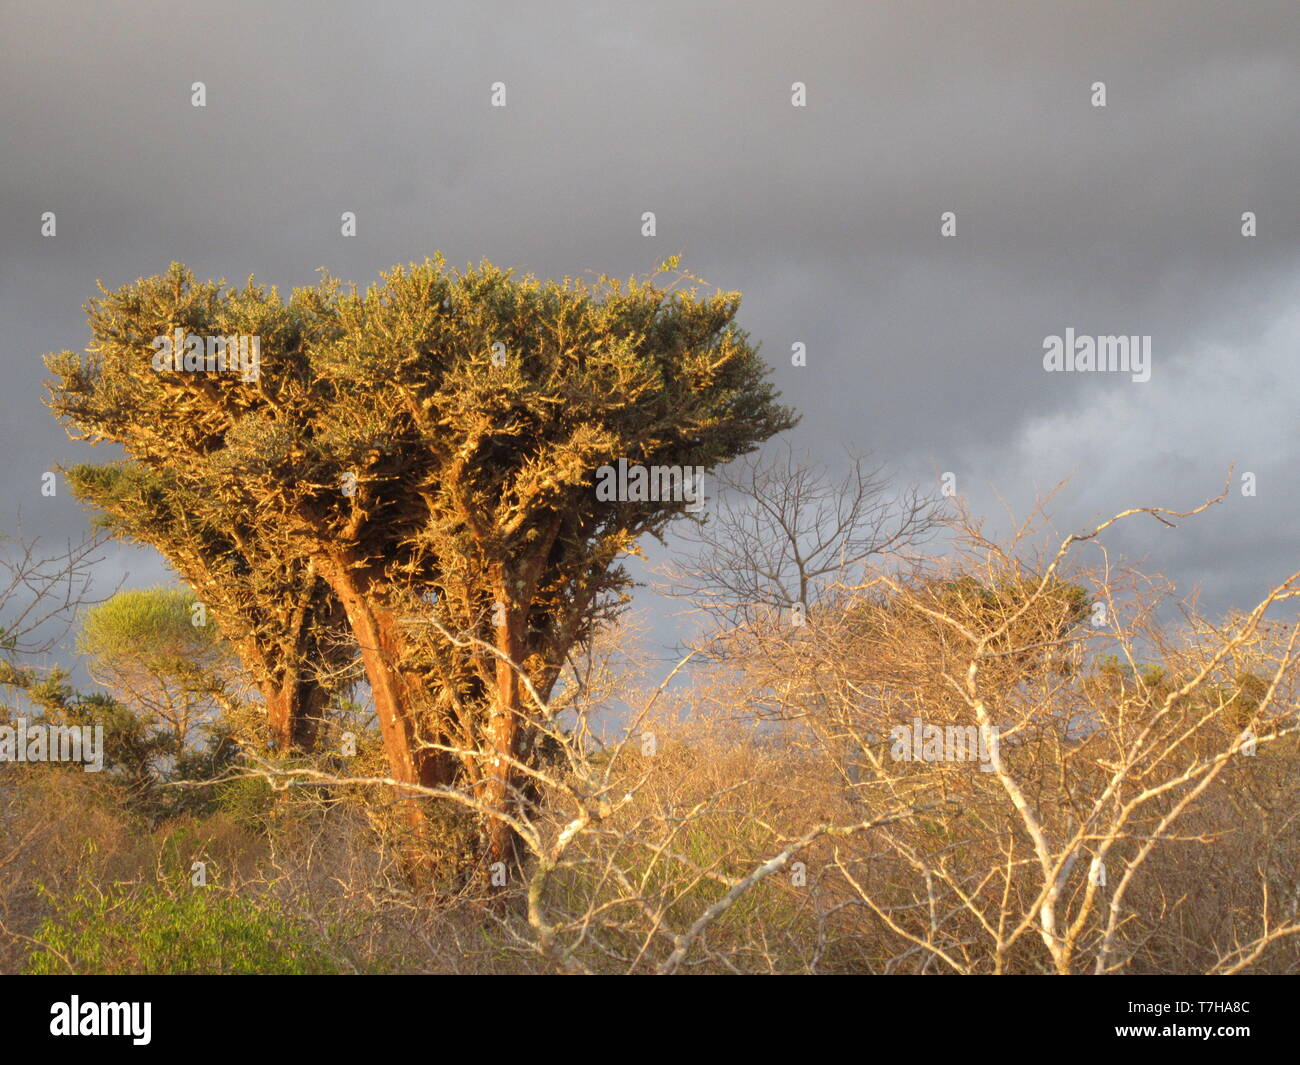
(928, 350)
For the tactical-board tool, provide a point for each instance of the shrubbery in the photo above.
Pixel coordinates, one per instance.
(173, 930)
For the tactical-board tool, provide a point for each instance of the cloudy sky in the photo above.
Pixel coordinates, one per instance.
(925, 349)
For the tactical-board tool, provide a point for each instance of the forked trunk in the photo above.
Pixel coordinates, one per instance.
(396, 696)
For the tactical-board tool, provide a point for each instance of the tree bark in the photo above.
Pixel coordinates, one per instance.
(292, 707)
(379, 638)
(378, 635)
(498, 789)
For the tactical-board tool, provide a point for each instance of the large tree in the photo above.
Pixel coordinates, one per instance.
(429, 449)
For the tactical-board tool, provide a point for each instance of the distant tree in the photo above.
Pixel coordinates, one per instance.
(785, 532)
(429, 449)
(144, 647)
(140, 749)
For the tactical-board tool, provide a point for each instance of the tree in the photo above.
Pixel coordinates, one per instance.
(40, 594)
(145, 647)
(270, 605)
(1075, 805)
(784, 534)
(429, 449)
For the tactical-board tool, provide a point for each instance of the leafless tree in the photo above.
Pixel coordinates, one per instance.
(41, 591)
(781, 533)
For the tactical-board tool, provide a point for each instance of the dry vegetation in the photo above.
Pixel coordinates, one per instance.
(1136, 808)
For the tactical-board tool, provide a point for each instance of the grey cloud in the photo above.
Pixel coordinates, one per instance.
(1122, 220)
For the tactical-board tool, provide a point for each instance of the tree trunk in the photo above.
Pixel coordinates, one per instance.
(291, 709)
(379, 637)
(498, 789)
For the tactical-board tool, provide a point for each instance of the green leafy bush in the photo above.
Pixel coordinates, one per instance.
(248, 800)
(173, 932)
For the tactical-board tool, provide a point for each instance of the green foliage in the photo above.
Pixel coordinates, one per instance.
(169, 678)
(160, 930)
(1237, 702)
(248, 801)
(150, 625)
(267, 603)
(144, 646)
(132, 746)
(139, 752)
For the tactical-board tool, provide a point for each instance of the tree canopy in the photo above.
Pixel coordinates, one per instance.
(418, 459)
